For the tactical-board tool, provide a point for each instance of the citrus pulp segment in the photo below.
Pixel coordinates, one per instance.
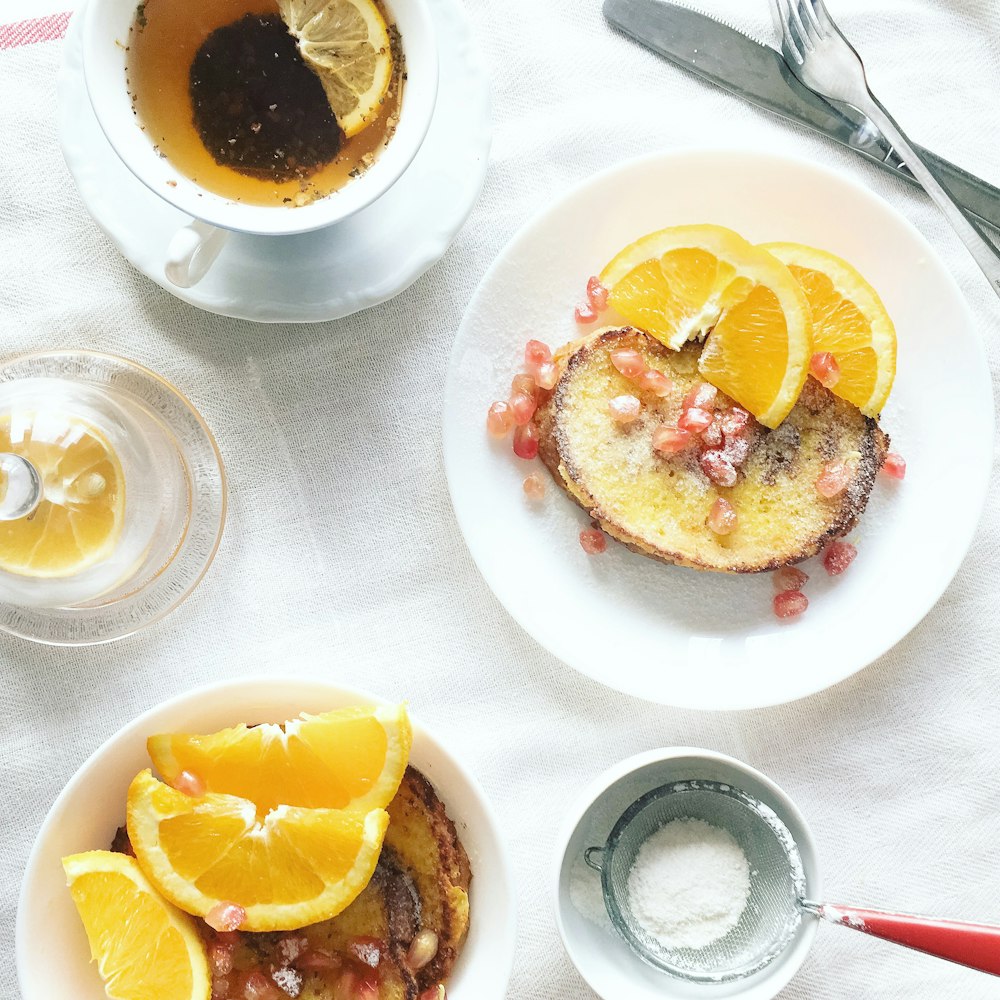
(145, 948)
(291, 868)
(849, 321)
(348, 758)
(346, 44)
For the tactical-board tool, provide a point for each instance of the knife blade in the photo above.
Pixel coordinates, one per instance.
(726, 57)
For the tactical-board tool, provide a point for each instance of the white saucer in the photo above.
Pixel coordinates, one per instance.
(316, 276)
(707, 640)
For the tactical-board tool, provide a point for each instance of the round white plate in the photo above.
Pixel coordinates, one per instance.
(92, 806)
(679, 636)
(316, 276)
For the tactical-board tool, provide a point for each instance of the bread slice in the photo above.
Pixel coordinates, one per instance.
(657, 505)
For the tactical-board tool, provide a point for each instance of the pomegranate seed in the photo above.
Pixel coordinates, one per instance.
(624, 409)
(229, 937)
(789, 578)
(734, 421)
(736, 450)
(701, 396)
(290, 948)
(838, 556)
(593, 541)
(522, 408)
(534, 487)
(220, 958)
(585, 313)
(536, 353)
(824, 368)
(894, 465)
(317, 960)
(722, 517)
(289, 981)
(834, 479)
(717, 467)
(597, 294)
(630, 363)
(712, 435)
(422, 950)
(367, 950)
(547, 376)
(790, 603)
(434, 993)
(655, 382)
(189, 784)
(669, 440)
(526, 441)
(259, 987)
(357, 984)
(524, 384)
(499, 420)
(695, 420)
(225, 917)
(220, 988)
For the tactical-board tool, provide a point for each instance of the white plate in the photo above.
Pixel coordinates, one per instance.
(326, 274)
(92, 806)
(679, 636)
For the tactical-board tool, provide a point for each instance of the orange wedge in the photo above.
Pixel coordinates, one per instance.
(349, 758)
(849, 321)
(289, 869)
(688, 282)
(145, 948)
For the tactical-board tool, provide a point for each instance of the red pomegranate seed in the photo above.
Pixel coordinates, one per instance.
(790, 603)
(536, 353)
(317, 960)
(225, 916)
(712, 435)
(838, 556)
(367, 950)
(259, 987)
(722, 517)
(695, 420)
(630, 363)
(597, 294)
(736, 450)
(289, 981)
(220, 987)
(834, 479)
(585, 313)
(894, 465)
(357, 984)
(624, 409)
(734, 421)
(789, 578)
(717, 467)
(524, 384)
(522, 408)
(190, 784)
(434, 993)
(701, 396)
(593, 541)
(220, 958)
(669, 440)
(655, 382)
(824, 368)
(289, 948)
(534, 487)
(547, 376)
(499, 420)
(526, 441)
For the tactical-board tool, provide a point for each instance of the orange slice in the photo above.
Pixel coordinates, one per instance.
(145, 948)
(79, 518)
(349, 758)
(292, 868)
(688, 282)
(849, 321)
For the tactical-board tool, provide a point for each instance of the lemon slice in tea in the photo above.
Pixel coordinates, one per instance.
(346, 44)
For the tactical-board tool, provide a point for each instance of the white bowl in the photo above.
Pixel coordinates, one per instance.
(602, 957)
(105, 35)
(92, 806)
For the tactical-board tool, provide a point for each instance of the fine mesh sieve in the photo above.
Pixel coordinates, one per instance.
(777, 881)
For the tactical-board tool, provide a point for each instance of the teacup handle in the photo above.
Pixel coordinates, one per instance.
(192, 251)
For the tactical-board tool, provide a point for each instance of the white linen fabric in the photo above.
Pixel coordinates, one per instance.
(342, 559)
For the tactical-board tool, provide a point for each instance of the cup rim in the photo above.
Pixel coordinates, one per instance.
(108, 94)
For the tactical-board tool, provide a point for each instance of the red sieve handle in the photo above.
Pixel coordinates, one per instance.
(974, 945)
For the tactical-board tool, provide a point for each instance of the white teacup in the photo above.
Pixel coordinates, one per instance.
(194, 247)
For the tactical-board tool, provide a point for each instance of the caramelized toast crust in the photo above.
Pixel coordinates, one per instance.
(657, 504)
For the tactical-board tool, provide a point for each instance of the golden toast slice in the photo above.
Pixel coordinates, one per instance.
(658, 504)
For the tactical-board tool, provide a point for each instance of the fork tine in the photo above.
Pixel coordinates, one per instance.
(782, 13)
(821, 15)
(801, 22)
(812, 15)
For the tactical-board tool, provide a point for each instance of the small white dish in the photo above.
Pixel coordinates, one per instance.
(320, 275)
(706, 640)
(600, 955)
(92, 806)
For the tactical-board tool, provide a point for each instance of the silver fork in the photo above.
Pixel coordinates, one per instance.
(825, 61)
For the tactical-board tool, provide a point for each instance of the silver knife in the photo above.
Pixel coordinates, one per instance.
(758, 73)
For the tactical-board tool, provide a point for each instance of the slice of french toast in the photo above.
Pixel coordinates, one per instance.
(658, 504)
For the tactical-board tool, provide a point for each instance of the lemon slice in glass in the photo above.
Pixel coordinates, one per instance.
(346, 44)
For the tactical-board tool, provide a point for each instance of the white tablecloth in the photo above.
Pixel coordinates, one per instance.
(357, 572)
